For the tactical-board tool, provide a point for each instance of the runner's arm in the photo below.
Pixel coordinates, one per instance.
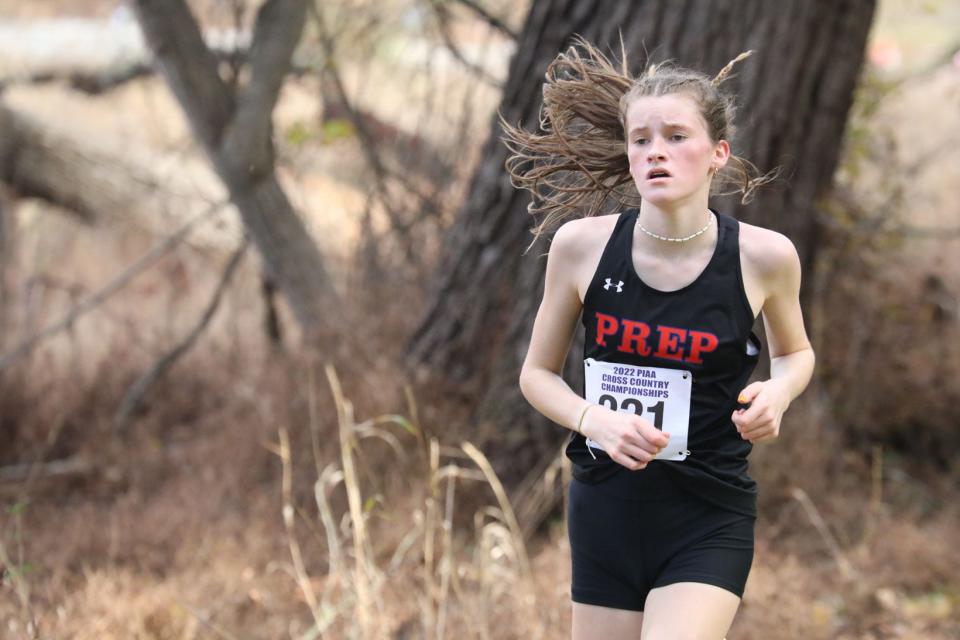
(791, 355)
(553, 329)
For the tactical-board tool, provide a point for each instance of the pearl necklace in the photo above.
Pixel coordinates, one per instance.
(690, 237)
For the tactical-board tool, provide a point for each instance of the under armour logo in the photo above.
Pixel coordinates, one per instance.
(619, 285)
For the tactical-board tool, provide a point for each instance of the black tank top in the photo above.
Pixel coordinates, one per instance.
(704, 328)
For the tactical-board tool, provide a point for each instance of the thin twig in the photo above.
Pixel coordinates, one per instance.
(846, 567)
(135, 394)
(926, 233)
(429, 611)
(65, 467)
(446, 561)
(443, 23)
(93, 301)
(299, 567)
(490, 19)
(367, 139)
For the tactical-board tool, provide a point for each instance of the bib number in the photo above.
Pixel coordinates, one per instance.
(658, 394)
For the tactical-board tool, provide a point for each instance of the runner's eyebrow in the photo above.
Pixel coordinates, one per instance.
(669, 125)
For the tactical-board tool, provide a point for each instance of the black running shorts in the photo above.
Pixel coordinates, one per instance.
(637, 530)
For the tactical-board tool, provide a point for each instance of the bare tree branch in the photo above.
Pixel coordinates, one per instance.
(248, 139)
(96, 82)
(926, 233)
(89, 182)
(331, 68)
(93, 301)
(66, 467)
(369, 146)
(291, 257)
(489, 18)
(4, 256)
(442, 14)
(134, 396)
(189, 66)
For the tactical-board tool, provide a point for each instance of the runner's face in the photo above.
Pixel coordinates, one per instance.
(668, 133)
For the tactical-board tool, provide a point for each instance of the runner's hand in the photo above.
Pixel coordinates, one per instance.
(761, 422)
(627, 438)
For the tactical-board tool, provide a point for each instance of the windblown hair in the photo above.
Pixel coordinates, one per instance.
(578, 164)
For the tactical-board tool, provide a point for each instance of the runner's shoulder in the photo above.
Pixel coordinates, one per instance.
(580, 237)
(769, 254)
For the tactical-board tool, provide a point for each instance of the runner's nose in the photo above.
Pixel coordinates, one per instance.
(655, 153)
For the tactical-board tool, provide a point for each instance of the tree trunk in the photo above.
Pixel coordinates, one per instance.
(794, 95)
(6, 224)
(234, 127)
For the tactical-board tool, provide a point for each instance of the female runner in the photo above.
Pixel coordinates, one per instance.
(661, 508)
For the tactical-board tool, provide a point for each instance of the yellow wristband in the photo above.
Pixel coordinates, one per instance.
(583, 413)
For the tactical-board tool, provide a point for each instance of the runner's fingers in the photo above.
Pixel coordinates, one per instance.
(737, 419)
(627, 441)
(762, 433)
(743, 420)
(645, 429)
(650, 447)
(641, 455)
(638, 442)
(763, 420)
(764, 438)
(756, 412)
(629, 462)
(755, 430)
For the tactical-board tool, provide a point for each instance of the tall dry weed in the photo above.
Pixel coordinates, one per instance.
(431, 582)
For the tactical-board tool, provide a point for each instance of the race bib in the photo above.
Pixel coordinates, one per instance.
(657, 394)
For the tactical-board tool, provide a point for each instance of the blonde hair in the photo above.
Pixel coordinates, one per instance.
(578, 162)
